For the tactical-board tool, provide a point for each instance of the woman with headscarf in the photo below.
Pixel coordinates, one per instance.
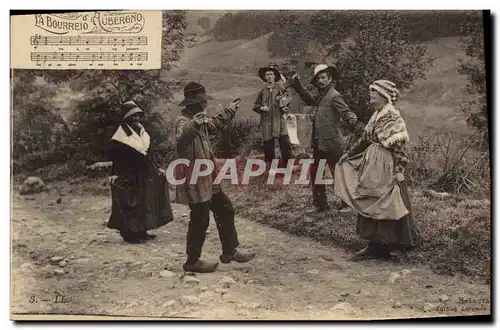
(370, 178)
(140, 199)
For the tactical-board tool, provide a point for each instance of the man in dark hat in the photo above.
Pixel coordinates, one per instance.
(192, 130)
(272, 121)
(140, 199)
(327, 140)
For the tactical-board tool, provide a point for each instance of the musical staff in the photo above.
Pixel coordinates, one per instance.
(38, 40)
(128, 40)
(89, 56)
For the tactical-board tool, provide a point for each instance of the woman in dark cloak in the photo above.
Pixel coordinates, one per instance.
(139, 190)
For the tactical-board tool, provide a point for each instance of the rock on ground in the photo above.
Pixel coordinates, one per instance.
(167, 273)
(56, 259)
(63, 263)
(59, 271)
(344, 307)
(32, 185)
(394, 277)
(169, 303)
(227, 282)
(428, 307)
(191, 279)
(190, 300)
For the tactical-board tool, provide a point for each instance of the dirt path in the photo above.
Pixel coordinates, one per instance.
(291, 277)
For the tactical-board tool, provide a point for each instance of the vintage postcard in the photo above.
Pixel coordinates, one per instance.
(250, 165)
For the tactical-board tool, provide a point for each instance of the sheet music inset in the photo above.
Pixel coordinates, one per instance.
(119, 40)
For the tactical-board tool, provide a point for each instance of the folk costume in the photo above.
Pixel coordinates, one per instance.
(366, 180)
(140, 198)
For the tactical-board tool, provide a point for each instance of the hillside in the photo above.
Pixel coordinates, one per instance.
(225, 68)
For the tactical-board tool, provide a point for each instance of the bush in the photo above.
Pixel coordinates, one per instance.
(475, 70)
(447, 162)
(31, 161)
(37, 126)
(240, 137)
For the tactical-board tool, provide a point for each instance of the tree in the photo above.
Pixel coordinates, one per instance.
(365, 46)
(37, 125)
(291, 34)
(377, 50)
(474, 69)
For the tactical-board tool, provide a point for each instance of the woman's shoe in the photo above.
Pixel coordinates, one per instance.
(147, 237)
(134, 240)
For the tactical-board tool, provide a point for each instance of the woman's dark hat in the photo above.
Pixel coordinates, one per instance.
(262, 73)
(130, 108)
(194, 93)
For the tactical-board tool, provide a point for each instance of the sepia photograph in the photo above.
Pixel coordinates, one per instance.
(250, 165)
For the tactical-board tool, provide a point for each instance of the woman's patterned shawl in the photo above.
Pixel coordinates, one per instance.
(387, 126)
